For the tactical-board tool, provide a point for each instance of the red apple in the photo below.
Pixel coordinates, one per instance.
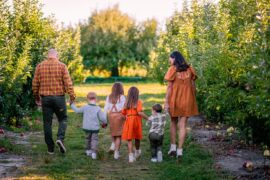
(248, 165)
(3, 150)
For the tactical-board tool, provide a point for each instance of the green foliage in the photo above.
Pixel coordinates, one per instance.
(228, 44)
(25, 37)
(68, 46)
(5, 143)
(113, 79)
(111, 39)
(25, 33)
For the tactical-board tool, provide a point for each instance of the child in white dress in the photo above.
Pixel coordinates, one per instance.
(113, 107)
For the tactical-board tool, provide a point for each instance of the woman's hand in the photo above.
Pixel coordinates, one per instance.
(166, 107)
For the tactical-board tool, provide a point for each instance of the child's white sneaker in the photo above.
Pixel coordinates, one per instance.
(112, 148)
(172, 151)
(131, 158)
(94, 155)
(88, 152)
(154, 160)
(138, 153)
(159, 156)
(116, 155)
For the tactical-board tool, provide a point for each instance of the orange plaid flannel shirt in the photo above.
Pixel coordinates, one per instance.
(52, 79)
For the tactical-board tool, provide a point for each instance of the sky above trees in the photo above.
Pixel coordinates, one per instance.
(73, 11)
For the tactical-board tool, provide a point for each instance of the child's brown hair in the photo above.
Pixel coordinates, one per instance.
(117, 91)
(132, 98)
(157, 108)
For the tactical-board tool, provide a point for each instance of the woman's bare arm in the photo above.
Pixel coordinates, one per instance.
(168, 94)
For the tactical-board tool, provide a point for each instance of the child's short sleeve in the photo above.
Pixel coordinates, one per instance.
(150, 118)
(140, 106)
(193, 73)
(171, 73)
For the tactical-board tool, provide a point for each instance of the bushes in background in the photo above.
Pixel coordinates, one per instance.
(228, 44)
(116, 79)
(25, 37)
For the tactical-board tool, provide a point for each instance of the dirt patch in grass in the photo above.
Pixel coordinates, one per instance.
(230, 152)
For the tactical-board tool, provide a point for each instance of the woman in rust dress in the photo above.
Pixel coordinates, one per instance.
(180, 99)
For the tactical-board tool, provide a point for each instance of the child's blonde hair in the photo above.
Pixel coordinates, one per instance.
(91, 96)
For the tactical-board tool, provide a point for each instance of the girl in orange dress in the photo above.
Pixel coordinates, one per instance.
(180, 99)
(132, 129)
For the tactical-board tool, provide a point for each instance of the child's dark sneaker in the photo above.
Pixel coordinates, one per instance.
(61, 146)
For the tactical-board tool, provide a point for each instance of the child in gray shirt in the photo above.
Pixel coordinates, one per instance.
(92, 116)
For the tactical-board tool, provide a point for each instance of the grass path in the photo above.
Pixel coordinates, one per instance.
(196, 164)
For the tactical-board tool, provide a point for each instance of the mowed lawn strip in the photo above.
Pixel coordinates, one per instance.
(196, 164)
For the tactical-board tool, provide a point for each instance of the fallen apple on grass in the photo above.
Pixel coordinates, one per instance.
(219, 134)
(230, 130)
(248, 165)
(266, 153)
(3, 150)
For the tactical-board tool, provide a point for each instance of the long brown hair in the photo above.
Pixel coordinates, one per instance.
(117, 91)
(132, 98)
(179, 61)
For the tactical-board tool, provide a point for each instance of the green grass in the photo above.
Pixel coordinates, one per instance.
(196, 164)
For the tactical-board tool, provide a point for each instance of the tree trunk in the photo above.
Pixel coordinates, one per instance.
(115, 71)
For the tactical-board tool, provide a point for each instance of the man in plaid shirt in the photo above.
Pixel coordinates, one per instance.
(51, 82)
(156, 132)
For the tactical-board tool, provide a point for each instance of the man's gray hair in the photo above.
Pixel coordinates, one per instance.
(52, 54)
